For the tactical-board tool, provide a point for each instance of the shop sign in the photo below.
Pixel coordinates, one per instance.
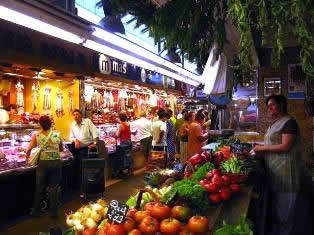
(104, 64)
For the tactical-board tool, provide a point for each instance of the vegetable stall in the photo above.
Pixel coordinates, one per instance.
(208, 195)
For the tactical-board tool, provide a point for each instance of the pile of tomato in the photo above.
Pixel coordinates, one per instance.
(218, 186)
(158, 218)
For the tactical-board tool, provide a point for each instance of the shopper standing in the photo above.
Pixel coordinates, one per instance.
(48, 172)
(170, 138)
(177, 127)
(84, 136)
(159, 131)
(282, 159)
(143, 125)
(183, 136)
(124, 130)
(196, 136)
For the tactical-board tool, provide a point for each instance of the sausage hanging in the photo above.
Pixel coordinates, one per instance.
(47, 98)
(35, 95)
(59, 104)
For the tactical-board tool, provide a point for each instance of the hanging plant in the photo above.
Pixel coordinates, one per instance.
(193, 26)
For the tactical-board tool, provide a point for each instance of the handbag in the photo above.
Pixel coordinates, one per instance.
(33, 160)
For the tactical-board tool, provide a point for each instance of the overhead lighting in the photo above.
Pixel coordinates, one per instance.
(128, 45)
(38, 25)
(131, 59)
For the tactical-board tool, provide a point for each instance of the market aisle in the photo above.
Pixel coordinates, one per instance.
(32, 226)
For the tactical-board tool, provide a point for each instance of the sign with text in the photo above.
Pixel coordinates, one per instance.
(117, 212)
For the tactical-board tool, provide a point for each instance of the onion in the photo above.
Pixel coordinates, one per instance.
(69, 220)
(77, 215)
(86, 212)
(104, 212)
(79, 227)
(101, 202)
(95, 216)
(96, 207)
(90, 223)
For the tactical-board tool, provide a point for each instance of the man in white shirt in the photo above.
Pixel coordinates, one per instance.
(143, 126)
(159, 131)
(84, 136)
(83, 131)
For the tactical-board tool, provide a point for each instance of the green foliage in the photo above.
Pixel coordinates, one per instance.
(201, 172)
(243, 228)
(191, 193)
(193, 26)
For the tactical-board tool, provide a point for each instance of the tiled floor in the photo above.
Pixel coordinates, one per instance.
(115, 189)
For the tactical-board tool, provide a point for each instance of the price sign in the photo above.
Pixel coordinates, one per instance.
(241, 147)
(117, 212)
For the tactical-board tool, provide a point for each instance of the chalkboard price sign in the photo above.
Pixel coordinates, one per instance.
(241, 147)
(117, 212)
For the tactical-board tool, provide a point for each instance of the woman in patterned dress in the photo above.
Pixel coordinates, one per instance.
(282, 159)
(48, 172)
(170, 138)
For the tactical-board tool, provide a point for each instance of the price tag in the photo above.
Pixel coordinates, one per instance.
(117, 212)
(241, 147)
(236, 148)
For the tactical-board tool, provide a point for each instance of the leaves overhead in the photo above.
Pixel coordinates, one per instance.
(194, 25)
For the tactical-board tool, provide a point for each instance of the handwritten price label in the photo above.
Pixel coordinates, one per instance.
(117, 212)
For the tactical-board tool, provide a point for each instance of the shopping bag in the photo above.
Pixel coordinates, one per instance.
(157, 159)
(33, 160)
(155, 155)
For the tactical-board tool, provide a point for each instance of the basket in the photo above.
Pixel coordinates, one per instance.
(188, 170)
(237, 178)
(140, 195)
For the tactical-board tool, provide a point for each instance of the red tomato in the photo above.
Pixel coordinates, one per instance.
(234, 187)
(218, 180)
(170, 226)
(89, 231)
(161, 211)
(101, 231)
(131, 212)
(129, 224)
(149, 226)
(186, 232)
(140, 215)
(149, 206)
(211, 188)
(135, 232)
(198, 224)
(116, 229)
(225, 193)
(181, 213)
(202, 182)
(226, 180)
(215, 172)
(215, 198)
(104, 229)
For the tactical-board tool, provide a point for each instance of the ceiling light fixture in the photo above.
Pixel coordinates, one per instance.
(38, 25)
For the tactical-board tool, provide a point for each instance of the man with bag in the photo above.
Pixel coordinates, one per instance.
(159, 133)
(84, 136)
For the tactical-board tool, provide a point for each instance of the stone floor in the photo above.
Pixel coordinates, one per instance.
(115, 189)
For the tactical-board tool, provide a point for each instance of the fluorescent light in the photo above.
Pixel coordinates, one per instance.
(38, 25)
(133, 60)
(125, 44)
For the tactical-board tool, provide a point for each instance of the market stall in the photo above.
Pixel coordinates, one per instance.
(213, 187)
(106, 99)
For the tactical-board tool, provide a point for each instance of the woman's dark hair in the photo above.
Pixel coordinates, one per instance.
(123, 117)
(45, 122)
(280, 100)
(76, 111)
(186, 116)
(169, 113)
(190, 114)
(161, 113)
(199, 116)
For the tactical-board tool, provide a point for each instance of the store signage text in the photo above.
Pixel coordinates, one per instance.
(109, 65)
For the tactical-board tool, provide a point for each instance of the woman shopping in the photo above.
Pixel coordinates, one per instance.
(282, 159)
(48, 172)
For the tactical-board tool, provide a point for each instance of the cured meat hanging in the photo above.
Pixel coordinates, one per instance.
(47, 98)
(71, 104)
(35, 95)
(59, 104)
(20, 97)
